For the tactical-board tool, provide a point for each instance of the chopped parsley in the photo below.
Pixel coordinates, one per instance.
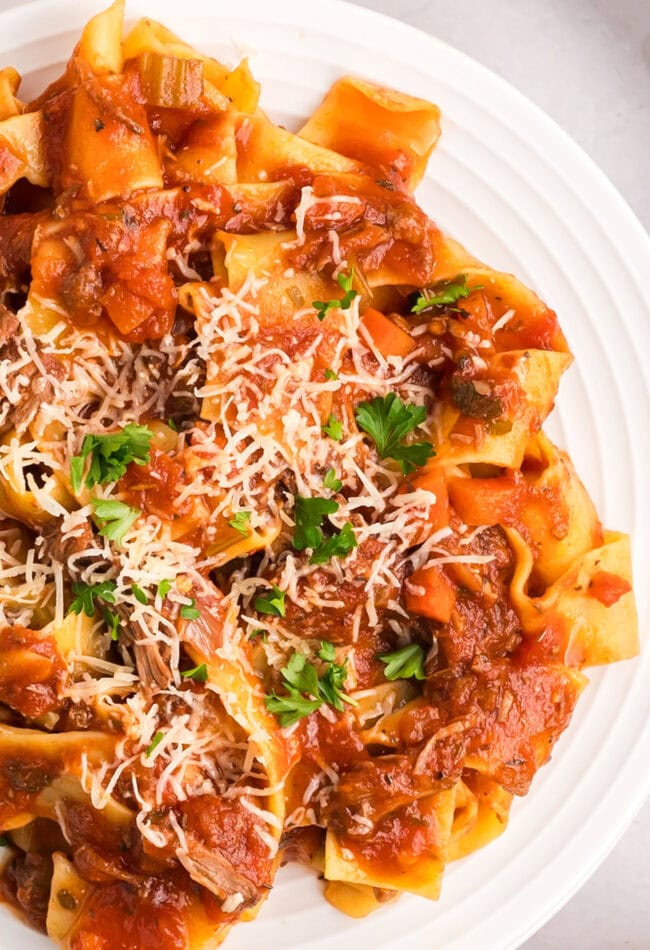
(330, 375)
(404, 663)
(109, 456)
(309, 515)
(153, 745)
(444, 294)
(114, 518)
(344, 281)
(198, 673)
(164, 588)
(139, 594)
(388, 420)
(190, 611)
(172, 425)
(259, 633)
(271, 603)
(338, 545)
(240, 521)
(331, 481)
(86, 594)
(306, 690)
(333, 428)
(112, 622)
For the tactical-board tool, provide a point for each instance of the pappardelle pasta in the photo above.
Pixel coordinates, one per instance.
(289, 570)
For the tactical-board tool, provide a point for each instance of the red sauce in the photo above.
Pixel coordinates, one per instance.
(224, 825)
(32, 672)
(608, 588)
(124, 917)
(154, 488)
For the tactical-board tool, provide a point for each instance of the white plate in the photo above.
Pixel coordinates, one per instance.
(520, 194)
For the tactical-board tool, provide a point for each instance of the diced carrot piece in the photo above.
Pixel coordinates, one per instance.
(487, 500)
(389, 339)
(434, 595)
(433, 480)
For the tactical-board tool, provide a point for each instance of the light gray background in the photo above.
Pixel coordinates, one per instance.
(586, 63)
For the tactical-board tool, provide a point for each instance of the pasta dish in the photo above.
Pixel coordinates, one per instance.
(289, 570)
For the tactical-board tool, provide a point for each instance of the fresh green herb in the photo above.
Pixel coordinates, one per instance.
(309, 515)
(259, 633)
(86, 594)
(388, 420)
(272, 603)
(109, 456)
(306, 690)
(189, 611)
(333, 428)
(139, 594)
(338, 545)
(404, 663)
(330, 375)
(114, 518)
(472, 403)
(292, 707)
(331, 682)
(322, 307)
(240, 521)
(198, 673)
(112, 622)
(172, 425)
(444, 294)
(301, 674)
(331, 481)
(164, 588)
(155, 742)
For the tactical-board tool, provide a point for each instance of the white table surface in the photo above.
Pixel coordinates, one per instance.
(587, 64)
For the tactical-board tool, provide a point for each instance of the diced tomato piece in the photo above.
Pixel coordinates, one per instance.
(608, 588)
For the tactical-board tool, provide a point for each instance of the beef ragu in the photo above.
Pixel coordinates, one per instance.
(289, 570)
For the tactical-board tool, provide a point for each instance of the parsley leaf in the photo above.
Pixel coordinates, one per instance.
(172, 425)
(301, 674)
(114, 518)
(292, 707)
(333, 428)
(198, 673)
(139, 594)
(272, 604)
(309, 514)
(331, 481)
(387, 420)
(109, 456)
(338, 545)
(300, 677)
(189, 611)
(404, 663)
(259, 633)
(472, 403)
(85, 595)
(240, 521)
(155, 742)
(330, 375)
(322, 307)
(164, 588)
(444, 294)
(112, 622)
